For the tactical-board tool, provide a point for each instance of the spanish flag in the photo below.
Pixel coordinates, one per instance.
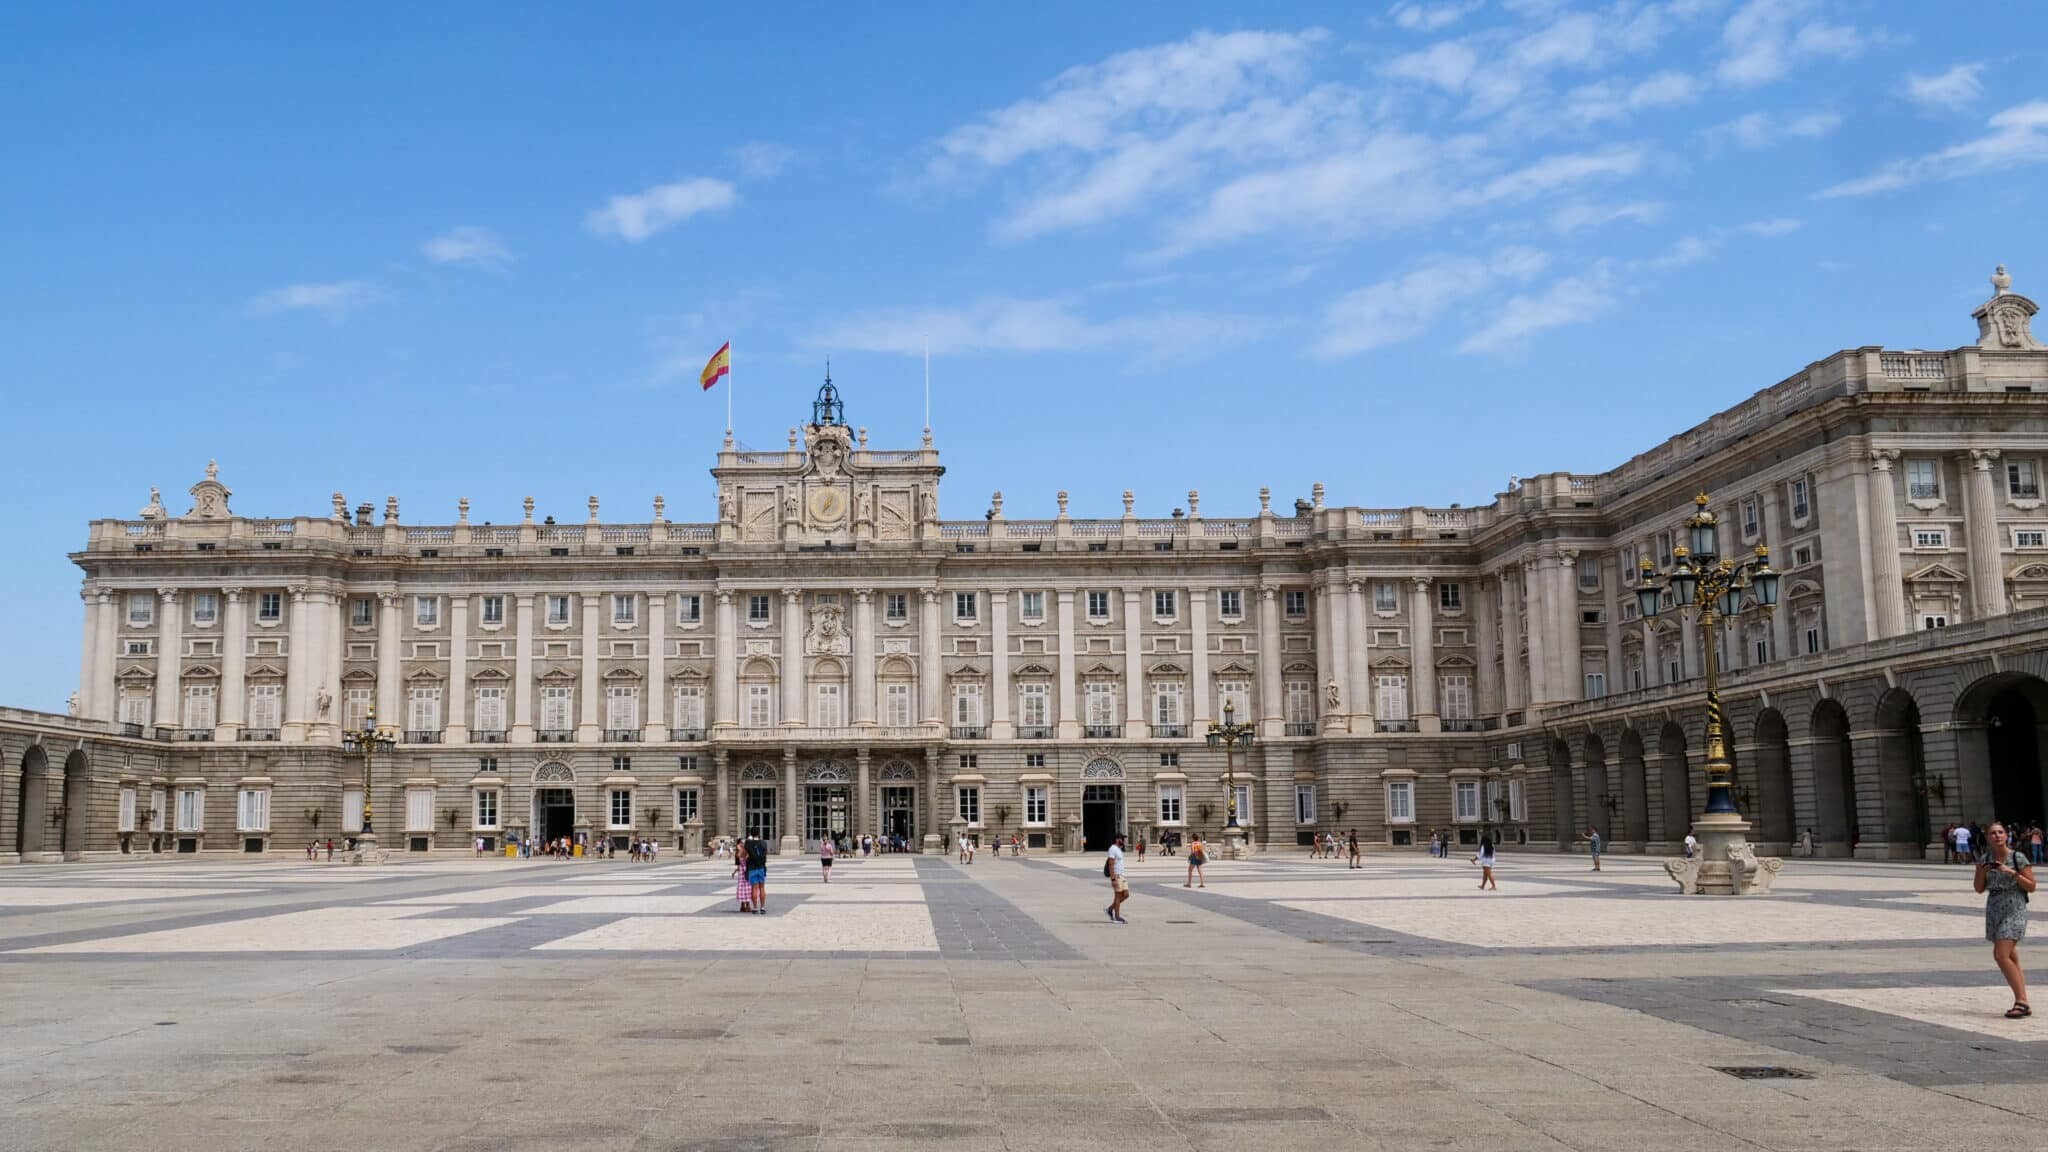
(720, 364)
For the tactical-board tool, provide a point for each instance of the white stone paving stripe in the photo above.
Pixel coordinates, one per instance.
(366, 929)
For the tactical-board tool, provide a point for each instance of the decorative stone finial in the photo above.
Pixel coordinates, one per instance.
(209, 496)
(593, 509)
(2000, 282)
(1316, 495)
(1194, 502)
(862, 432)
(1265, 501)
(792, 439)
(1128, 501)
(462, 510)
(728, 439)
(340, 508)
(154, 510)
(995, 505)
(391, 509)
(1062, 498)
(2005, 322)
(527, 505)
(213, 466)
(660, 508)
(927, 435)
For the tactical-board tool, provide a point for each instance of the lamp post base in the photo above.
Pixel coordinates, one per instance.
(1236, 843)
(1726, 864)
(366, 851)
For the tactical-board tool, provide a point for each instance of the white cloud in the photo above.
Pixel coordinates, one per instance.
(1574, 300)
(332, 300)
(1447, 64)
(1417, 17)
(1761, 129)
(1406, 306)
(1813, 125)
(1579, 217)
(637, 216)
(763, 159)
(1612, 100)
(1776, 226)
(1949, 90)
(1764, 38)
(1554, 172)
(1008, 325)
(2018, 137)
(470, 248)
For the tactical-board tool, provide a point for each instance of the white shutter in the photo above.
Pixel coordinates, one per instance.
(1166, 703)
(490, 709)
(352, 811)
(621, 708)
(1031, 700)
(199, 711)
(127, 813)
(1235, 697)
(263, 705)
(419, 810)
(136, 706)
(1455, 697)
(1391, 698)
(191, 809)
(160, 811)
(252, 812)
(554, 709)
(1301, 704)
(898, 710)
(1101, 705)
(825, 706)
(425, 712)
(689, 709)
(355, 707)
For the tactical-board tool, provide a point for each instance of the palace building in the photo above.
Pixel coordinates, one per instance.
(831, 655)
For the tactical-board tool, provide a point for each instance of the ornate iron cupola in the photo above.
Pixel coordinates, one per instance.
(827, 409)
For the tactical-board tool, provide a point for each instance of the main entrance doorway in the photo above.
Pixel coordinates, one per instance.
(554, 813)
(827, 808)
(899, 813)
(757, 815)
(1102, 815)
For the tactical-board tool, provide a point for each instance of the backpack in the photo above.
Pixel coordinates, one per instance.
(1109, 866)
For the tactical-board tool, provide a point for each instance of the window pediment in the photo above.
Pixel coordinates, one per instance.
(359, 675)
(623, 673)
(270, 671)
(1936, 573)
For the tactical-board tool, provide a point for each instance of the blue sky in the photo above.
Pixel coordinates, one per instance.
(444, 250)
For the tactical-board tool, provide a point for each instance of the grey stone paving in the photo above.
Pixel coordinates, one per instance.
(971, 921)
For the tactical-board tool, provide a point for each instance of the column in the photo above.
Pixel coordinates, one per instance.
(794, 714)
(318, 631)
(170, 657)
(863, 658)
(1889, 585)
(1539, 625)
(89, 653)
(522, 668)
(298, 666)
(234, 663)
(862, 802)
(937, 814)
(1324, 604)
(1135, 716)
(458, 670)
(792, 806)
(1486, 686)
(999, 676)
(1198, 617)
(719, 824)
(1688, 645)
(1653, 659)
(331, 659)
(387, 661)
(1069, 718)
(1358, 683)
(1571, 646)
(725, 665)
(1987, 548)
(1422, 650)
(587, 718)
(1610, 616)
(931, 678)
(1781, 619)
(104, 694)
(1268, 705)
(1511, 697)
(654, 723)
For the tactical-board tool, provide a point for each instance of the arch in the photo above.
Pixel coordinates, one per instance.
(1102, 768)
(1834, 775)
(1674, 785)
(828, 667)
(1635, 789)
(31, 800)
(896, 666)
(758, 668)
(897, 770)
(1771, 800)
(77, 804)
(1564, 813)
(1902, 774)
(759, 772)
(2001, 748)
(553, 772)
(1599, 795)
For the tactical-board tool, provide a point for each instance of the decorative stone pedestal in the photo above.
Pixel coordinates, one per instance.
(791, 846)
(1236, 844)
(1726, 864)
(366, 851)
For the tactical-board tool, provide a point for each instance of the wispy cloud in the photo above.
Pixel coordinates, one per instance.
(1764, 38)
(1613, 100)
(1573, 300)
(763, 159)
(1419, 17)
(1580, 217)
(1949, 90)
(637, 216)
(469, 247)
(1762, 129)
(1008, 325)
(2018, 137)
(1407, 306)
(1776, 226)
(332, 300)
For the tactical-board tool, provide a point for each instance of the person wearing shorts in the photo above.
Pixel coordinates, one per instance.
(1119, 888)
(757, 875)
(826, 850)
(1198, 855)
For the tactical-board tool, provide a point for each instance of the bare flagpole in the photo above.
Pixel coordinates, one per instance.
(728, 389)
(927, 391)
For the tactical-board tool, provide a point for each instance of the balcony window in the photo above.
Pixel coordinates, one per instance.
(2021, 481)
(1923, 481)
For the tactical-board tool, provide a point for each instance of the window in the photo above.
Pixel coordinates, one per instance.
(423, 713)
(1165, 605)
(1802, 555)
(1400, 801)
(686, 806)
(966, 705)
(760, 705)
(969, 804)
(351, 810)
(966, 606)
(1035, 804)
(1750, 527)
(199, 706)
(2027, 538)
(419, 810)
(689, 609)
(1101, 697)
(1517, 803)
(1167, 697)
(1802, 505)
(125, 819)
(141, 609)
(1384, 599)
(426, 611)
(1244, 803)
(355, 707)
(1451, 597)
(1169, 759)
(1234, 696)
(1098, 605)
(1673, 671)
(487, 808)
(1300, 697)
(556, 707)
(360, 612)
(490, 709)
(192, 810)
(622, 808)
(1923, 482)
(621, 707)
(1034, 759)
(1812, 640)
(1304, 803)
(493, 608)
(270, 606)
(1596, 685)
(205, 607)
(1296, 602)
(1763, 650)
(1932, 620)
(487, 763)
(1032, 710)
(2021, 481)
(1230, 603)
(895, 606)
(757, 609)
(1170, 806)
(558, 609)
(1930, 537)
(136, 705)
(623, 606)
(1031, 605)
(1390, 697)
(1454, 696)
(689, 708)
(266, 705)
(1467, 794)
(622, 765)
(1635, 677)
(896, 705)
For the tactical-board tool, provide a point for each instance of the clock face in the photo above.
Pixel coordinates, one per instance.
(828, 504)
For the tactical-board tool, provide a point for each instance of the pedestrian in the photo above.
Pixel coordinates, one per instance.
(1692, 845)
(1485, 862)
(1806, 842)
(1963, 844)
(1351, 847)
(330, 847)
(1119, 888)
(1141, 849)
(2008, 876)
(1593, 841)
(1198, 855)
(742, 891)
(757, 873)
(2035, 845)
(826, 850)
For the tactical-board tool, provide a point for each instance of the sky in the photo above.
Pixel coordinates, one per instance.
(483, 250)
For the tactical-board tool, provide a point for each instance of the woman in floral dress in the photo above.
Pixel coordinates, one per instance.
(2008, 876)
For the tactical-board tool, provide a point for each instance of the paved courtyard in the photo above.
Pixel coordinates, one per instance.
(918, 1003)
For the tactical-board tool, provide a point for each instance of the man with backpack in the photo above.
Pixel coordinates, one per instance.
(756, 851)
(1119, 888)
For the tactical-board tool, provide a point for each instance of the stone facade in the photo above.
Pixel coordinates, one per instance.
(831, 654)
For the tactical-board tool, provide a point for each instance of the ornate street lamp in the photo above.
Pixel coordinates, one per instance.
(367, 743)
(1717, 588)
(1231, 736)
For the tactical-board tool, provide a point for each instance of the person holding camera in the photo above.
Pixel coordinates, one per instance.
(2008, 876)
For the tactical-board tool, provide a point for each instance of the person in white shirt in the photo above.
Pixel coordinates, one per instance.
(1963, 843)
(1692, 845)
(1119, 888)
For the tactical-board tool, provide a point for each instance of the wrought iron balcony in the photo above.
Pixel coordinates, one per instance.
(1035, 732)
(555, 735)
(256, 735)
(1102, 731)
(1395, 726)
(621, 735)
(413, 736)
(686, 735)
(1170, 731)
(1301, 728)
(195, 734)
(1464, 725)
(488, 736)
(969, 732)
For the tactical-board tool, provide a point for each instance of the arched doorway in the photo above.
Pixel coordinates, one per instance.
(554, 801)
(2000, 749)
(1834, 775)
(77, 804)
(1674, 792)
(898, 807)
(1635, 789)
(1102, 804)
(760, 819)
(1598, 794)
(1902, 774)
(31, 802)
(1770, 804)
(1564, 815)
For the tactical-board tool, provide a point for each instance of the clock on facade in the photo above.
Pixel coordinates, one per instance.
(828, 504)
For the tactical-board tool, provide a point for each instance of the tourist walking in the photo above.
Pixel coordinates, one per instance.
(757, 874)
(1485, 862)
(742, 891)
(1351, 847)
(1593, 842)
(2035, 844)
(1119, 888)
(2007, 876)
(1198, 855)
(1692, 844)
(1962, 838)
(826, 850)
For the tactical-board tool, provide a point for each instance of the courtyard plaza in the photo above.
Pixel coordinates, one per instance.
(915, 1002)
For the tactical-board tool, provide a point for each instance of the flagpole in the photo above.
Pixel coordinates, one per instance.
(728, 388)
(927, 389)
